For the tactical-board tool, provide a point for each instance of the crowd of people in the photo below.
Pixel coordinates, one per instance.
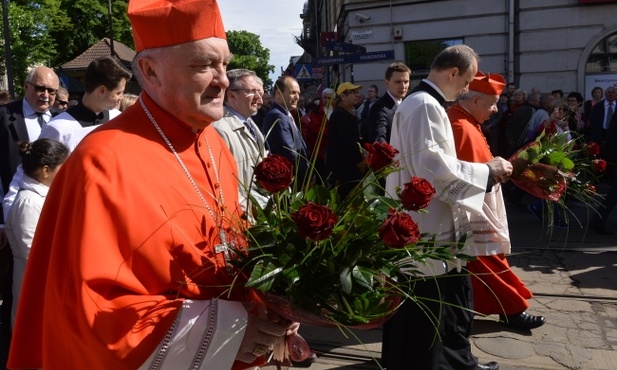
(127, 254)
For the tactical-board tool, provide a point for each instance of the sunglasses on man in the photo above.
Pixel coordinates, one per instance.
(42, 89)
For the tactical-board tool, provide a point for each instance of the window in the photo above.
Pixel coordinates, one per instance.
(603, 58)
(419, 56)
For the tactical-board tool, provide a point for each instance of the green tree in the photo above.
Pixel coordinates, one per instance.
(88, 23)
(248, 53)
(52, 32)
(30, 25)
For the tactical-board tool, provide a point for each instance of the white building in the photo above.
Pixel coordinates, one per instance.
(551, 44)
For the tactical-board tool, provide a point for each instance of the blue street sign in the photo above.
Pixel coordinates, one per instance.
(374, 56)
(345, 47)
(328, 61)
(304, 72)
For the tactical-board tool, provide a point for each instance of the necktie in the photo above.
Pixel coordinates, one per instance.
(609, 114)
(249, 127)
(40, 118)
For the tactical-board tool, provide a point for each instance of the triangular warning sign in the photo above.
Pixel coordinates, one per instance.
(303, 73)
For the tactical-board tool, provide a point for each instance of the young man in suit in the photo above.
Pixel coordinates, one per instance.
(382, 112)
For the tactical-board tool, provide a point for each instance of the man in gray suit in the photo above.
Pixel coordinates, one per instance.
(237, 128)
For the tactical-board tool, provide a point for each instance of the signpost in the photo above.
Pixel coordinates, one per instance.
(330, 61)
(374, 56)
(345, 47)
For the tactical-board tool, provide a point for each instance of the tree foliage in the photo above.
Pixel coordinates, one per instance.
(248, 53)
(52, 32)
(89, 23)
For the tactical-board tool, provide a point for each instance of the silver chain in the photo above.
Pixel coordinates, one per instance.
(223, 247)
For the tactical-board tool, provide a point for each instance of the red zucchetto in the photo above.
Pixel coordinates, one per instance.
(188, 20)
(491, 84)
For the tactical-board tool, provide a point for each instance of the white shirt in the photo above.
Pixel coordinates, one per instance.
(20, 224)
(32, 120)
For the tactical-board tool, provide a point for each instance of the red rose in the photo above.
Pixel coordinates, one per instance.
(593, 148)
(416, 194)
(274, 173)
(379, 155)
(314, 221)
(399, 230)
(591, 188)
(599, 165)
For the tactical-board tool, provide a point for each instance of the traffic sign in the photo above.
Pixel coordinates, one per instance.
(345, 47)
(374, 56)
(329, 61)
(303, 72)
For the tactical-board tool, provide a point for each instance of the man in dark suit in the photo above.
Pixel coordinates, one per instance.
(382, 112)
(21, 120)
(283, 137)
(599, 118)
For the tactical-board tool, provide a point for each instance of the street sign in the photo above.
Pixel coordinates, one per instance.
(329, 61)
(303, 72)
(345, 47)
(374, 56)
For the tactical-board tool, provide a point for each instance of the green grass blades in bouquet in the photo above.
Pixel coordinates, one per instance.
(557, 167)
(324, 261)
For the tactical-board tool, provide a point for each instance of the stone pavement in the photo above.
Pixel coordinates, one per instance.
(573, 274)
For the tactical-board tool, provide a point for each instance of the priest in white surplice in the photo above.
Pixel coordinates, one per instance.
(433, 334)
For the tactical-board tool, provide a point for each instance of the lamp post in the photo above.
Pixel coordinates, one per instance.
(111, 29)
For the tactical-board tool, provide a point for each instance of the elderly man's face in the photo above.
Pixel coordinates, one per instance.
(190, 82)
(40, 91)
(245, 97)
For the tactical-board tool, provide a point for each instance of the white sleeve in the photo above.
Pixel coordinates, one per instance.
(423, 135)
(205, 335)
(9, 197)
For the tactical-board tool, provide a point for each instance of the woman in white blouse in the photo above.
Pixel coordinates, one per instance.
(41, 160)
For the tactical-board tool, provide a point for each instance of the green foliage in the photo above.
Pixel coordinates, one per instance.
(248, 53)
(349, 277)
(52, 32)
(88, 22)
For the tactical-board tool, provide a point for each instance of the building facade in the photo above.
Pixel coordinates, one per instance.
(550, 44)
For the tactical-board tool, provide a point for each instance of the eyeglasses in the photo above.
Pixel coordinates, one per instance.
(62, 102)
(42, 89)
(250, 91)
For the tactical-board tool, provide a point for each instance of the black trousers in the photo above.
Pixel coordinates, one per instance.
(432, 331)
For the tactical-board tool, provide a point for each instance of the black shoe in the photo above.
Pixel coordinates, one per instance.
(522, 321)
(600, 229)
(490, 366)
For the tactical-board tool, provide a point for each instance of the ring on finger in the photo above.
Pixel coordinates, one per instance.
(260, 350)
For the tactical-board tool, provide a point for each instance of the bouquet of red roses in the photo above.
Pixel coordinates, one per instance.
(325, 261)
(554, 165)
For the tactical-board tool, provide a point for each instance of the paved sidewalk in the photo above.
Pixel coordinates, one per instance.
(573, 274)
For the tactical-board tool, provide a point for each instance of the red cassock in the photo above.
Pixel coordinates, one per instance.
(496, 288)
(122, 241)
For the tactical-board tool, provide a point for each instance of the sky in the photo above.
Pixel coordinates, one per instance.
(275, 21)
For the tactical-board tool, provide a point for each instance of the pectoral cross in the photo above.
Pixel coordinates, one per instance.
(224, 248)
